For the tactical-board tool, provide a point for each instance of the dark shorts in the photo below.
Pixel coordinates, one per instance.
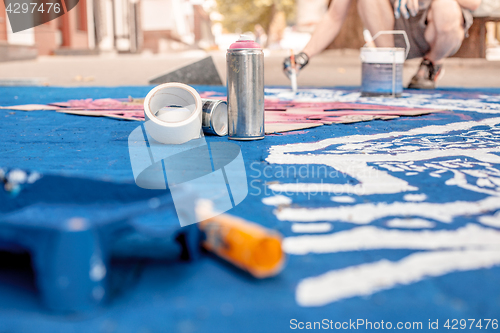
(415, 28)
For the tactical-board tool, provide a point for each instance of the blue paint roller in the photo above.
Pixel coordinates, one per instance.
(73, 227)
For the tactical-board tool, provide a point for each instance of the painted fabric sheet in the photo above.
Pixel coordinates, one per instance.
(387, 220)
(281, 115)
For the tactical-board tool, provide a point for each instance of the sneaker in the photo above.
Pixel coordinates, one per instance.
(427, 76)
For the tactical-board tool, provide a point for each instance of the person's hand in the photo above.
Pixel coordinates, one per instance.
(405, 8)
(301, 60)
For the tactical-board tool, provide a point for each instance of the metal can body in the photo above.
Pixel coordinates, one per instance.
(214, 117)
(245, 94)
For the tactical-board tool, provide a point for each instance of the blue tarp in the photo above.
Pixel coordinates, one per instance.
(210, 295)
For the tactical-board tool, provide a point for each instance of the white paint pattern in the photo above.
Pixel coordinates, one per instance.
(353, 161)
(277, 200)
(410, 223)
(491, 220)
(367, 279)
(469, 162)
(366, 213)
(433, 129)
(311, 227)
(481, 104)
(373, 238)
(415, 197)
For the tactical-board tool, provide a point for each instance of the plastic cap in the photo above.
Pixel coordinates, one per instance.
(245, 42)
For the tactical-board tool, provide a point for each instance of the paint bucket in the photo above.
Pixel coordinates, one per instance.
(382, 68)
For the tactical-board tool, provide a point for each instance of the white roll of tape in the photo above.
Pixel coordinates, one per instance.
(173, 113)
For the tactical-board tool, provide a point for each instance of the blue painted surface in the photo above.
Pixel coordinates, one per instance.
(209, 295)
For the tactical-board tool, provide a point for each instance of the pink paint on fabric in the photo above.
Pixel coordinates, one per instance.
(276, 111)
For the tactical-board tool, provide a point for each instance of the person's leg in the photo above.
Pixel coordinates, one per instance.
(445, 30)
(378, 15)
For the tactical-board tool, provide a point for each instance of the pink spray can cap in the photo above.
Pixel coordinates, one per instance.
(245, 42)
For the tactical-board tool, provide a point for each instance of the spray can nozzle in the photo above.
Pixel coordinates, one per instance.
(245, 38)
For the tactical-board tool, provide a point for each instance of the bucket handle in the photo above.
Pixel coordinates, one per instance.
(396, 32)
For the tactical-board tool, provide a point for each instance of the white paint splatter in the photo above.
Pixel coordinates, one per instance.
(492, 220)
(367, 279)
(311, 227)
(410, 223)
(415, 197)
(17, 176)
(372, 238)
(366, 213)
(277, 200)
(343, 199)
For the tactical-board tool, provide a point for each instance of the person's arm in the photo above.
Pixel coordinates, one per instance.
(469, 4)
(325, 32)
(329, 27)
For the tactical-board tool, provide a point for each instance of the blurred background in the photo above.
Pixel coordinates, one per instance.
(128, 42)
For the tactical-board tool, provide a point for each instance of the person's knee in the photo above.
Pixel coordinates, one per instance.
(447, 17)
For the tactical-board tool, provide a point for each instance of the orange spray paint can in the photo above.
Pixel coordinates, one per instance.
(247, 245)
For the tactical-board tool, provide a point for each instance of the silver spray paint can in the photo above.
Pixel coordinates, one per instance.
(214, 117)
(245, 90)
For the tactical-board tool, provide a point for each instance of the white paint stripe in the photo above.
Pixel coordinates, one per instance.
(311, 227)
(410, 223)
(387, 187)
(434, 129)
(492, 221)
(372, 238)
(415, 197)
(277, 200)
(365, 213)
(370, 278)
(482, 154)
